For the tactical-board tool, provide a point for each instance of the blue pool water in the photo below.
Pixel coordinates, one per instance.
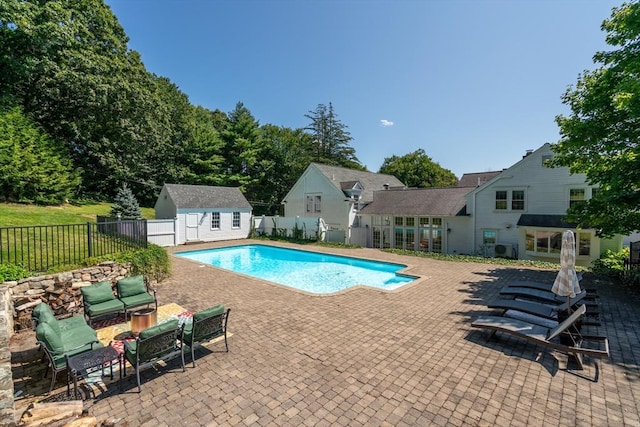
(307, 271)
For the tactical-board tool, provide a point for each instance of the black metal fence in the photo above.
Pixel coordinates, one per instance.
(41, 247)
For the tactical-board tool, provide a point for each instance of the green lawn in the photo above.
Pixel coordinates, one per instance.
(12, 214)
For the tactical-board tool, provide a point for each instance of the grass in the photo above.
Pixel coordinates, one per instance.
(16, 215)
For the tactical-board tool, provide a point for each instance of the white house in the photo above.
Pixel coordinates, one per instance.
(204, 213)
(520, 212)
(336, 195)
(517, 212)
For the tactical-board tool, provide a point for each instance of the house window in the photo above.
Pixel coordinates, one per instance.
(409, 221)
(236, 220)
(584, 244)
(546, 159)
(517, 200)
(594, 192)
(215, 220)
(543, 241)
(576, 195)
(489, 237)
(314, 203)
(501, 200)
(399, 220)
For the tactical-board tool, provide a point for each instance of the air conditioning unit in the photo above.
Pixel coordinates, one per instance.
(504, 250)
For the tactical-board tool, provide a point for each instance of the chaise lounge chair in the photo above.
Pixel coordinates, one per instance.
(543, 286)
(546, 337)
(539, 309)
(542, 296)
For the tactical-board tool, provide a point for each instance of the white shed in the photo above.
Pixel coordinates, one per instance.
(205, 213)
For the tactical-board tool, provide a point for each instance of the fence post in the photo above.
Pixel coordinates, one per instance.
(89, 239)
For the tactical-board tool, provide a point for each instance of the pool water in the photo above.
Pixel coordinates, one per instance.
(307, 271)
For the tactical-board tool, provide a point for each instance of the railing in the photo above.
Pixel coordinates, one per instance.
(40, 247)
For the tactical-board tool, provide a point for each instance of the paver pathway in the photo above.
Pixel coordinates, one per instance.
(367, 357)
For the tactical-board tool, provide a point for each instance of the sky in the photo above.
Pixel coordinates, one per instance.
(473, 83)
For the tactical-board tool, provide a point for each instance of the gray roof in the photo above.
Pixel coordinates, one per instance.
(547, 221)
(448, 201)
(205, 196)
(477, 179)
(370, 181)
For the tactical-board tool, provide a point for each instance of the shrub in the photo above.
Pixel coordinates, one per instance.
(152, 262)
(611, 263)
(12, 272)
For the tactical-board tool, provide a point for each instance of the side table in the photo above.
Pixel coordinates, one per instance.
(91, 359)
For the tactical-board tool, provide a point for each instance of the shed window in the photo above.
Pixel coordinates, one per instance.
(215, 220)
(236, 220)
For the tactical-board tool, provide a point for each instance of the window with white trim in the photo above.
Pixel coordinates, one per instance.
(236, 220)
(314, 203)
(577, 195)
(501, 200)
(215, 220)
(517, 200)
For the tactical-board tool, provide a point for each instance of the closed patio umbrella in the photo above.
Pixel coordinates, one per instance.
(566, 283)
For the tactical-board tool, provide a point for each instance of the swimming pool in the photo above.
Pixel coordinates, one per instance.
(307, 271)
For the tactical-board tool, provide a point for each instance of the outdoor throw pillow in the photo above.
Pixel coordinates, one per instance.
(129, 286)
(48, 318)
(97, 293)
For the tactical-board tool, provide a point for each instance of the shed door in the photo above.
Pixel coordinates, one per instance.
(192, 227)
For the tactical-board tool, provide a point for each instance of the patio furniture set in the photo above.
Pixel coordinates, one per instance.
(72, 344)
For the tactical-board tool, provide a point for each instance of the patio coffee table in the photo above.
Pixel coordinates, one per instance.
(91, 359)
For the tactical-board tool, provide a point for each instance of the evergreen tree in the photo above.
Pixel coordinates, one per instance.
(125, 204)
(34, 168)
(331, 138)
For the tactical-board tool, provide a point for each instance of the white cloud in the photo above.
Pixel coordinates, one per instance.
(386, 123)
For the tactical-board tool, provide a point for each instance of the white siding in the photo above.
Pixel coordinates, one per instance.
(546, 192)
(165, 208)
(206, 233)
(334, 211)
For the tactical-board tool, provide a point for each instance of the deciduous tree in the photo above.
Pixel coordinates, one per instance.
(418, 170)
(601, 136)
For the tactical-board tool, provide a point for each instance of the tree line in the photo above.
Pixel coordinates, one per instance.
(80, 116)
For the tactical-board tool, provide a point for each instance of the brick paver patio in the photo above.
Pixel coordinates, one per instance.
(367, 357)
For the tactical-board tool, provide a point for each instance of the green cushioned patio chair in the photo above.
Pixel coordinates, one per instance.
(135, 292)
(206, 325)
(99, 301)
(60, 339)
(153, 344)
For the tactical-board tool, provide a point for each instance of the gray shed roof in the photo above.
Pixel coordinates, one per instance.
(370, 181)
(448, 201)
(205, 196)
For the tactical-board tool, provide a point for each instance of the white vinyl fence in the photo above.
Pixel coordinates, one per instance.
(162, 232)
(306, 228)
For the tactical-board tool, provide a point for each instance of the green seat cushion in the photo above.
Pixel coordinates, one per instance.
(72, 323)
(137, 300)
(159, 328)
(41, 308)
(97, 293)
(110, 306)
(51, 338)
(212, 311)
(200, 315)
(130, 286)
(132, 348)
